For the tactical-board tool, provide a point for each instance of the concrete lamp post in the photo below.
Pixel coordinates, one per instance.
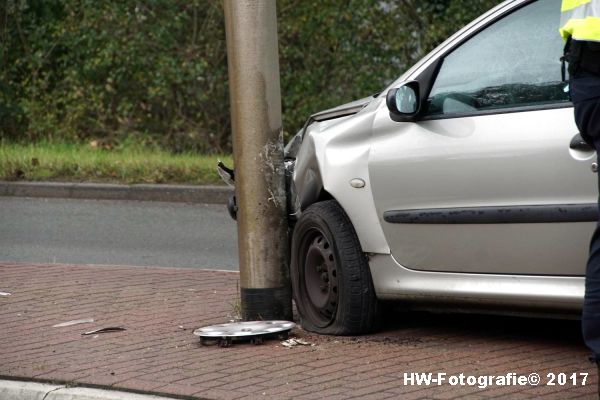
(251, 27)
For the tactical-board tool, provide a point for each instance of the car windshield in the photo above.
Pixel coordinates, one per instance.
(512, 63)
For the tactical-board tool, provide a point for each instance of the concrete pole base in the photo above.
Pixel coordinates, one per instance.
(266, 304)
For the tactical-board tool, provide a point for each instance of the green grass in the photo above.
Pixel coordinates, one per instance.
(84, 163)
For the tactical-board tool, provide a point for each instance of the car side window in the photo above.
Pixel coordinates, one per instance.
(512, 63)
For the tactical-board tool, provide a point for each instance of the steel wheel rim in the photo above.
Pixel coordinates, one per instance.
(320, 277)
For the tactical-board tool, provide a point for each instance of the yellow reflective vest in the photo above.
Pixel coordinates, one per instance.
(580, 19)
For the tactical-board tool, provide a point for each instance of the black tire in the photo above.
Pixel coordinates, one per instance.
(331, 281)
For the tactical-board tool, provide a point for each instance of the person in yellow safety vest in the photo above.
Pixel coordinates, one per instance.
(580, 28)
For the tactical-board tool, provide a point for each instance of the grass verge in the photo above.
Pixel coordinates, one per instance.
(88, 163)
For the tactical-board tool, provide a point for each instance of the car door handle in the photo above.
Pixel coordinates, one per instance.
(577, 143)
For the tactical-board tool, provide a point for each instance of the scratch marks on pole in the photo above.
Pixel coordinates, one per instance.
(271, 158)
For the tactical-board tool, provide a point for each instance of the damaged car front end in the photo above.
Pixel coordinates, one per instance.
(324, 276)
(312, 186)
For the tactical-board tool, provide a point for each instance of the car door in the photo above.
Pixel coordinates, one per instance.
(492, 177)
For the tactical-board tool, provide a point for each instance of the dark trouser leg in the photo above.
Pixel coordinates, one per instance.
(591, 306)
(584, 92)
(587, 118)
(590, 320)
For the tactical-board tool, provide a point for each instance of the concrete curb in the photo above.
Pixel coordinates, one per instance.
(18, 390)
(105, 191)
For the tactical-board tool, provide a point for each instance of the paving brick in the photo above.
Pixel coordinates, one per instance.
(376, 396)
(328, 393)
(139, 384)
(214, 393)
(286, 389)
(359, 381)
(233, 383)
(156, 355)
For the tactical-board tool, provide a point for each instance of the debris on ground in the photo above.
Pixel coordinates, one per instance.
(293, 342)
(105, 330)
(4, 294)
(73, 322)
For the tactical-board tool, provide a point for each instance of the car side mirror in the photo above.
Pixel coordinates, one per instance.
(404, 102)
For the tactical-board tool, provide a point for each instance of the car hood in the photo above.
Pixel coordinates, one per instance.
(344, 110)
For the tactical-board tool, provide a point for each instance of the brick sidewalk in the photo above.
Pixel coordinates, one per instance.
(158, 353)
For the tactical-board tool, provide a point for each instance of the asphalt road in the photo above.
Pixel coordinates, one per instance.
(117, 233)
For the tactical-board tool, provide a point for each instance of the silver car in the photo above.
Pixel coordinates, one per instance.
(465, 182)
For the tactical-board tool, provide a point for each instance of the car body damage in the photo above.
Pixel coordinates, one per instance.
(335, 152)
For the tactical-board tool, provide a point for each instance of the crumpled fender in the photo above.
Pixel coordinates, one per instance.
(333, 153)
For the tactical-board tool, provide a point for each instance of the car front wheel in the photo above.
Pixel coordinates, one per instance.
(331, 280)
